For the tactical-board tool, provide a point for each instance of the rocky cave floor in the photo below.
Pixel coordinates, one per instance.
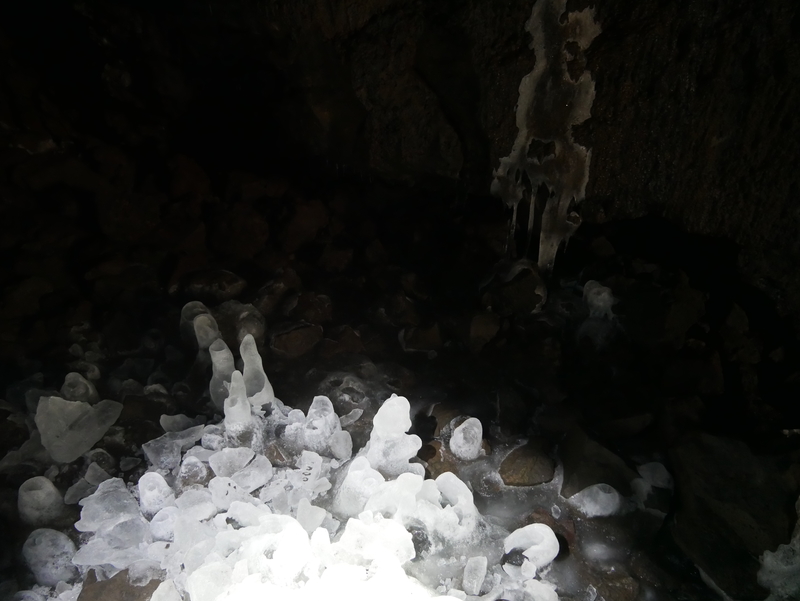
(406, 291)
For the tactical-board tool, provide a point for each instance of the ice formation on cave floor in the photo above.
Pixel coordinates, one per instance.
(212, 519)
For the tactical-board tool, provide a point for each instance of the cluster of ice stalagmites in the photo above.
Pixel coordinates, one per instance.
(213, 519)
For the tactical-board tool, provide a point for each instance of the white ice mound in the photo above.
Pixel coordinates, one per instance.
(538, 542)
(70, 428)
(48, 554)
(257, 385)
(465, 443)
(39, 502)
(597, 500)
(390, 448)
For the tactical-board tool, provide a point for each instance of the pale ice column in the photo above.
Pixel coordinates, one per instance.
(256, 383)
(222, 369)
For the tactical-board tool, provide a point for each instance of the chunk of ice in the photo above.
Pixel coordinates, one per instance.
(39, 502)
(229, 461)
(154, 493)
(48, 554)
(77, 388)
(341, 445)
(309, 516)
(162, 526)
(597, 500)
(70, 428)
(390, 448)
(255, 475)
(196, 504)
(465, 443)
(110, 504)
(474, 574)
(538, 542)
(164, 452)
(176, 423)
(321, 424)
(655, 474)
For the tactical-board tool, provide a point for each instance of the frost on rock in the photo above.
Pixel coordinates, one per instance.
(70, 428)
(550, 103)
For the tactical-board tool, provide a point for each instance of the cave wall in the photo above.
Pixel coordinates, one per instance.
(137, 112)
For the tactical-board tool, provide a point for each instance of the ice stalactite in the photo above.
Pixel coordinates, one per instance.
(552, 99)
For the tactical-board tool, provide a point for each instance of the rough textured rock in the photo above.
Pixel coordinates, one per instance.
(732, 507)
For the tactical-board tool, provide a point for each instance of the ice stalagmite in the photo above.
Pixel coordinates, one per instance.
(257, 385)
(222, 369)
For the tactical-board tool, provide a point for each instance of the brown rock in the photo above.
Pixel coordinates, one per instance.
(271, 295)
(482, 329)
(440, 460)
(214, 285)
(335, 260)
(23, 299)
(188, 179)
(117, 588)
(313, 308)
(562, 526)
(587, 462)
(732, 506)
(241, 231)
(527, 465)
(343, 340)
(297, 341)
(421, 339)
(309, 218)
(249, 187)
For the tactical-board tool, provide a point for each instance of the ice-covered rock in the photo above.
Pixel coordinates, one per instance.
(196, 504)
(70, 428)
(177, 423)
(48, 554)
(39, 502)
(465, 443)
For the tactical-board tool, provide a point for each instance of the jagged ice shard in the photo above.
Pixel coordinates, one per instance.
(551, 101)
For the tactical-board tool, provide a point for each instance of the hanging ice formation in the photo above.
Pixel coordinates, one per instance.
(552, 99)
